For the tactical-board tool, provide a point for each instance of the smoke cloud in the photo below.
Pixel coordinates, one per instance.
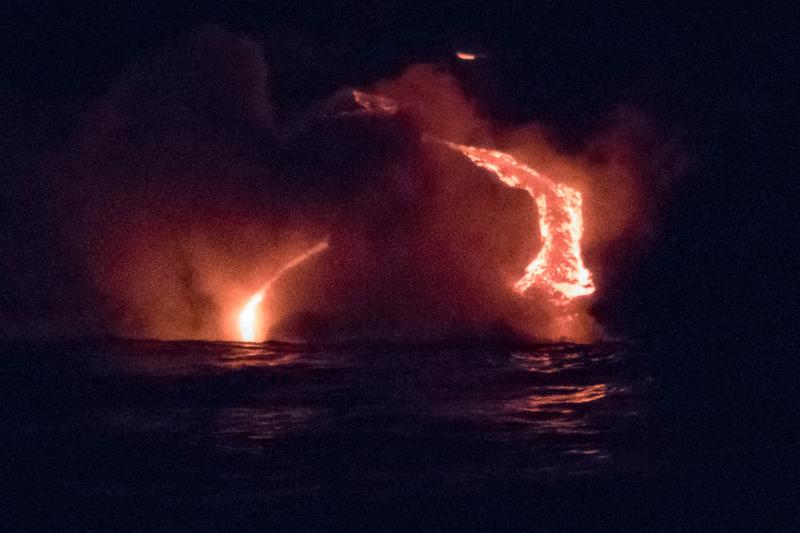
(181, 196)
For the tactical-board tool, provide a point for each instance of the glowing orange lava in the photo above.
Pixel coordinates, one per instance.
(249, 318)
(466, 56)
(558, 268)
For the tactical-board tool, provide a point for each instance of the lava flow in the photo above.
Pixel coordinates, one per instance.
(248, 317)
(558, 268)
(373, 103)
(467, 56)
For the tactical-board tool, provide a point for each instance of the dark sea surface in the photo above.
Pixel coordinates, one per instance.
(145, 435)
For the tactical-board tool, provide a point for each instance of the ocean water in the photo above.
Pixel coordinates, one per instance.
(146, 435)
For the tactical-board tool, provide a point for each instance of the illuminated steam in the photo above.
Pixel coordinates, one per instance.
(180, 189)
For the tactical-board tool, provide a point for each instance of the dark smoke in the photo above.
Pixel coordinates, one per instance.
(179, 195)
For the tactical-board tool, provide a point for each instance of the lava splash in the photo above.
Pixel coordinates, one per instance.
(249, 316)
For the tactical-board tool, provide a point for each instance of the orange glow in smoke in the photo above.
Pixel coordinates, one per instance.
(373, 103)
(466, 56)
(249, 317)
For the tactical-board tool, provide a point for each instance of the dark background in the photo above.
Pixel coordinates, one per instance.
(713, 297)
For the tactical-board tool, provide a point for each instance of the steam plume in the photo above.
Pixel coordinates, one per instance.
(184, 194)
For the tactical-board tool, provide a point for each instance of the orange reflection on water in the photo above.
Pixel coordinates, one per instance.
(547, 362)
(556, 409)
(245, 427)
(554, 400)
(245, 355)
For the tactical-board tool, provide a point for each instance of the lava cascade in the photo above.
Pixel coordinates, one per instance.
(249, 316)
(558, 269)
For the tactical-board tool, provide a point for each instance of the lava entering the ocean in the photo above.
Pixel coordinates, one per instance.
(249, 316)
(186, 189)
(558, 268)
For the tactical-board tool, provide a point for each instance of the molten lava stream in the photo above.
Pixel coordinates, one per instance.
(249, 317)
(558, 268)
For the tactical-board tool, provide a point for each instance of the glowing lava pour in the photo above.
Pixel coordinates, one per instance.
(558, 268)
(249, 316)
